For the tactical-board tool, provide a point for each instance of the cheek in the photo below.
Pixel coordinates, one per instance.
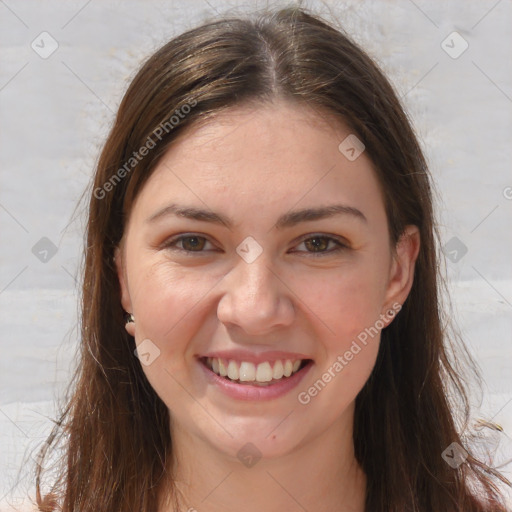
(166, 301)
(347, 307)
(168, 304)
(346, 300)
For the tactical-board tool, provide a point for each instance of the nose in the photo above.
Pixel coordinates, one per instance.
(255, 298)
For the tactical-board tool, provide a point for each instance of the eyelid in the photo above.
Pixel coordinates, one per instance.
(169, 242)
(342, 240)
(341, 243)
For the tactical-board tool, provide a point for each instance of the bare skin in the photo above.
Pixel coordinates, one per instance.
(197, 295)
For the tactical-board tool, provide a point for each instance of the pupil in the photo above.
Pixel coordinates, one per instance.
(318, 243)
(193, 242)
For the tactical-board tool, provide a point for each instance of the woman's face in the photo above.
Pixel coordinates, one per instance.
(300, 274)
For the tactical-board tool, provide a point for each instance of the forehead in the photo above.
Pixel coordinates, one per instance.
(276, 155)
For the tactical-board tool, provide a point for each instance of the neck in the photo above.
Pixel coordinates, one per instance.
(322, 474)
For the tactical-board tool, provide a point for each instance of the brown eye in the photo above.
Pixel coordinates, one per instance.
(193, 243)
(187, 243)
(318, 245)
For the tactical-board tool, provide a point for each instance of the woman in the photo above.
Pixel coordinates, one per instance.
(261, 322)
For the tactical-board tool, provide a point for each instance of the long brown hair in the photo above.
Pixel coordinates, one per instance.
(114, 428)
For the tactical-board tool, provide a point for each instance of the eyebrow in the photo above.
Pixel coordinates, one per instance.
(286, 220)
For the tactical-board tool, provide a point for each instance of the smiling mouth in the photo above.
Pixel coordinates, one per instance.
(263, 374)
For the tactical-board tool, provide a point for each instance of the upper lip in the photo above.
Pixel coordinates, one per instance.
(254, 357)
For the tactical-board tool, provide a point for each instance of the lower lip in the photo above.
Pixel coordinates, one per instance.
(255, 393)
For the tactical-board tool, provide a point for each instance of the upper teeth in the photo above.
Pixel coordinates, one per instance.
(249, 372)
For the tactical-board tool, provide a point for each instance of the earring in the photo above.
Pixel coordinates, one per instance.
(129, 318)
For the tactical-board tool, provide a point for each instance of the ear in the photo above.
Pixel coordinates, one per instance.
(401, 275)
(123, 284)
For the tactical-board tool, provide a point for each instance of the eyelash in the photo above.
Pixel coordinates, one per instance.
(340, 246)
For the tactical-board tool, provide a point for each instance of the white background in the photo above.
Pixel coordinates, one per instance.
(55, 113)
